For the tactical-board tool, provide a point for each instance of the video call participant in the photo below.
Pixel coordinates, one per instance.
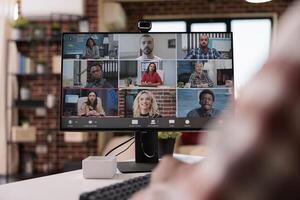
(147, 46)
(145, 105)
(203, 52)
(91, 49)
(151, 77)
(199, 79)
(97, 80)
(92, 107)
(206, 101)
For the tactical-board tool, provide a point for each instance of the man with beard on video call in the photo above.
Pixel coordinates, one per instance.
(147, 46)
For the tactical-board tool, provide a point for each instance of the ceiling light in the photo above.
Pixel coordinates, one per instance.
(258, 1)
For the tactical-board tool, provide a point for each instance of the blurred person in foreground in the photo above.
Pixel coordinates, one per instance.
(256, 155)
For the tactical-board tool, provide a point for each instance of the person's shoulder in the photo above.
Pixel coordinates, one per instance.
(156, 115)
(107, 84)
(216, 111)
(156, 73)
(193, 113)
(92, 84)
(195, 49)
(84, 104)
(216, 52)
(89, 85)
(193, 74)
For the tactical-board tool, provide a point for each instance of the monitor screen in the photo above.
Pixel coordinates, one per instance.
(145, 81)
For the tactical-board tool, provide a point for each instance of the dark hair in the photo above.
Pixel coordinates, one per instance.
(206, 91)
(90, 103)
(87, 42)
(147, 71)
(95, 64)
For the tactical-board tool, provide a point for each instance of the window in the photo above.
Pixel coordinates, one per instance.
(176, 26)
(208, 27)
(251, 43)
(251, 40)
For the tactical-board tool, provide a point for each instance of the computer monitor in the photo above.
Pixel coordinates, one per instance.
(145, 82)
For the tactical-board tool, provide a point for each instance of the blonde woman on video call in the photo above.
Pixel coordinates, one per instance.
(145, 105)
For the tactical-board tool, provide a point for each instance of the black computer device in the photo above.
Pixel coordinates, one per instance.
(145, 82)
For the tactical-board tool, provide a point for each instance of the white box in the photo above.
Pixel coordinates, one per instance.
(99, 167)
(23, 134)
(75, 137)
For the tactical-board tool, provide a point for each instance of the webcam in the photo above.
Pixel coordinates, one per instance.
(144, 25)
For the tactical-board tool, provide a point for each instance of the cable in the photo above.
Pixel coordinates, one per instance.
(125, 149)
(119, 146)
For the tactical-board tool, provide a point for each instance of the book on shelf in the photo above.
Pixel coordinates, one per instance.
(26, 65)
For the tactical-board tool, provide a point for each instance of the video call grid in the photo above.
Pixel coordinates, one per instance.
(119, 60)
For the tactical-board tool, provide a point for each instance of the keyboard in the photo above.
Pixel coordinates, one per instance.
(118, 191)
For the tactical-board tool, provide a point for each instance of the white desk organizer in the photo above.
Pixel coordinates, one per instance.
(99, 167)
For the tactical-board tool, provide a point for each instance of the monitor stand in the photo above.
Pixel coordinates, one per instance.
(146, 153)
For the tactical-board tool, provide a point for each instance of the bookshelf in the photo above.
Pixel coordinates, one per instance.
(49, 151)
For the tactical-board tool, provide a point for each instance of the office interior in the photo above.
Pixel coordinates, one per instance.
(31, 144)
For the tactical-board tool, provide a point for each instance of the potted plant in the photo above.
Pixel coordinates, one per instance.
(73, 28)
(166, 142)
(38, 32)
(55, 30)
(128, 81)
(18, 25)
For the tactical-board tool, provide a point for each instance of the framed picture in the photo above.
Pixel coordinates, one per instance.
(171, 43)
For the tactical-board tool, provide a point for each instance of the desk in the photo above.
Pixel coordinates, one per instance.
(65, 186)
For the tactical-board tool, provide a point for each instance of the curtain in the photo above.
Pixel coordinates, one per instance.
(6, 15)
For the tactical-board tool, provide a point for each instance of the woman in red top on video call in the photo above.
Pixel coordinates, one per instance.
(151, 77)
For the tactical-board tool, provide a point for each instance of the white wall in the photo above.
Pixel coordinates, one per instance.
(251, 44)
(170, 74)
(6, 12)
(41, 9)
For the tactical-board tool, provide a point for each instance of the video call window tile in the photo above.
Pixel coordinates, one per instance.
(147, 46)
(90, 46)
(190, 104)
(204, 73)
(78, 102)
(157, 103)
(204, 46)
(90, 74)
(137, 73)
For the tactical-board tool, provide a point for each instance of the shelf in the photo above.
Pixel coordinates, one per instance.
(34, 74)
(27, 104)
(28, 143)
(29, 40)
